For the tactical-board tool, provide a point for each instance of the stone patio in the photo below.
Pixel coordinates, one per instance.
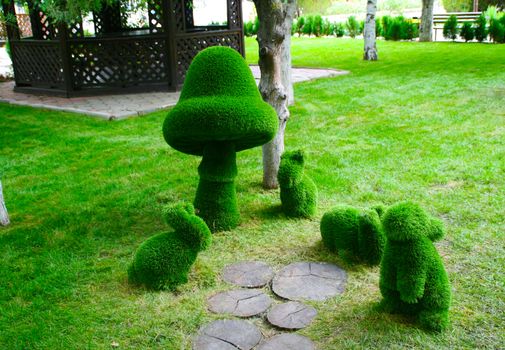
(113, 107)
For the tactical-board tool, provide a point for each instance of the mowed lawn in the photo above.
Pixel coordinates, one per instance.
(425, 123)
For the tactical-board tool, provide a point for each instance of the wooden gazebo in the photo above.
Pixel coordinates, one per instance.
(60, 59)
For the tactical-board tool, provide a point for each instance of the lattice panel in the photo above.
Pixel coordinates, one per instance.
(24, 24)
(121, 63)
(109, 20)
(155, 9)
(188, 47)
(47, 30)
(38, 63)
(178, 14)
(234, 14)
(75, 29)
(188, 14)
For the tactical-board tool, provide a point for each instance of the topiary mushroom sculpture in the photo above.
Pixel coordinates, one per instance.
(220, 112)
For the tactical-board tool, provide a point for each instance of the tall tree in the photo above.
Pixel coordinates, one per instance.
(4, 216)
(274, 40)
(369, 32)
(426, 21)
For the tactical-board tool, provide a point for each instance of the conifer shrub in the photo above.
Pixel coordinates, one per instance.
(481, 28)
(220, 112)
(451, 29)
(496, 30)
(356, 235)
(308, 27)
(467, 31)
(163, 260)
(413, 280)
(317, 27)
(300, 22)
(339, 30)
(298, 191)
(352, 26)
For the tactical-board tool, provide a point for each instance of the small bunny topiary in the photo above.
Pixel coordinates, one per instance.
(413, 279)
(356, 235)
(163, 261)
(298, 191)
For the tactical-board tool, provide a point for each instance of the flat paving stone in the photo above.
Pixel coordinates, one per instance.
(227, 335)
(240, 302)
(288, 341)
(309, 281)
(250, 274)
(291, 315)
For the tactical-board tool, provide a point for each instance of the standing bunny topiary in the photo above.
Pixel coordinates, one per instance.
(163, 261)
(298, 191)
(356, 235)
(413, 280)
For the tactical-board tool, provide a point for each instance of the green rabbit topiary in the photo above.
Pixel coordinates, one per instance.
(298, 191)
(163, 261)
(356, 235)
(413, 280)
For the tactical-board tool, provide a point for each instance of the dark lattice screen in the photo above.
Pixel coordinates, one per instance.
(188, 14)
(188, 47)
(47, 30)
(178, 15)
(155, 9)
(75, 29)
(38, 63)
(109, 20)
(119, 63)
(234, 14)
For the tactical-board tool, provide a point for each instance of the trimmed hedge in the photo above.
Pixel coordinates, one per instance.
(356, 235)
(220, 112)
(163, 261)
(298, 191)
(451, 29)
(413, 279)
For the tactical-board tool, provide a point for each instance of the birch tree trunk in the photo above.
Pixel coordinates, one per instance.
(426, 21)
(369, 33)
(4, 216)
(274, 40)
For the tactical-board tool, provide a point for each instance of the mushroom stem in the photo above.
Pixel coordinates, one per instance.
(216, 201)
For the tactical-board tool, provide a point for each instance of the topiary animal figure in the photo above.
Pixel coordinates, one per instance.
(356, 235)
(413, 280)
(163, 261)
(220, 112)
(298, 191)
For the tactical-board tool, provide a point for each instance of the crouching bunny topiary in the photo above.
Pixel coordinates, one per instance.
(298, 191)
(163, 261)
(354, 234)
(413, 279)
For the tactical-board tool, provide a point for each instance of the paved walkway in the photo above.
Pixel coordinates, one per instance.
(113, 107)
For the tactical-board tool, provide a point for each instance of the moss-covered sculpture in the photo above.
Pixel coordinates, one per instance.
(413, 280)
(163, 261)
(220, 112)
(356, 235)
(298, 191)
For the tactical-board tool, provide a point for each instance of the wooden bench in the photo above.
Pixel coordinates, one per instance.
(441, 18)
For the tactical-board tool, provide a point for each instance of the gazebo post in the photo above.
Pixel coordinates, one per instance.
(171, 30)
(65, 58)
(235, 21)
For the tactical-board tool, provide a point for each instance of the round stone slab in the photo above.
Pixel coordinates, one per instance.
(291, 315)
(227, 335)
(309, 281)
(240, 302)
(288, 341)
(249, 274)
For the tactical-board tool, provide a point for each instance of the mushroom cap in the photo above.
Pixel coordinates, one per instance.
(219, 102)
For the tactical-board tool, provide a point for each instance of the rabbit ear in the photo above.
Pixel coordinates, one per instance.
(174, 212)
(436, 230)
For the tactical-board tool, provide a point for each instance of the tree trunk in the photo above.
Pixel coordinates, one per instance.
(370, 35)
(4, 216)
(426, 21)
(274, 39)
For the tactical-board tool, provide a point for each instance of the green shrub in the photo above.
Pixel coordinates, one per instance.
(399, 28)
(467, 31)
(386, 24)
(300, 22)
(378, 27)
(451, 29)
(163, 260)
(339, 30)
(413, 280)
(298, 191)
(361, 27)
(317, 28)
(496, 30)
(248, 28)
(356, 235)
(220, 112)
(481, 28)
(352, 26)
(458, 5)
(328, 28)
(308, 27)
(256, 26)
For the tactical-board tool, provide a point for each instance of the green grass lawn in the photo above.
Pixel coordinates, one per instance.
(425, 123)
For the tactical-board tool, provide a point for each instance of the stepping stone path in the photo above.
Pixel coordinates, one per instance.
(240, 302)
(289, 341)
(297, 281)
(249, 274)
(309, 281)
(291, 315)
(227, 335)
